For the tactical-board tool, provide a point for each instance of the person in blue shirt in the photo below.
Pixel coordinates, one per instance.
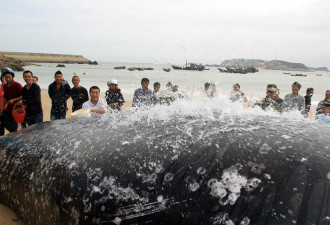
(143, 96)
(325, 116)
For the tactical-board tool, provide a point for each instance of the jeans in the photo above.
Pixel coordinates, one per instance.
(2, 126)
(57, 114)
(33, 119)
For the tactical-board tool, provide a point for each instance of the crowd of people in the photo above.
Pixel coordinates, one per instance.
(13, 94)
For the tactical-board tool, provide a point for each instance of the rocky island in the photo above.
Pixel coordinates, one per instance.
(270, 65)
(13, 63)
(46, 58)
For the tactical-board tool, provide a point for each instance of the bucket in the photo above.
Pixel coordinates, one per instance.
(84, 112)
(18, 113)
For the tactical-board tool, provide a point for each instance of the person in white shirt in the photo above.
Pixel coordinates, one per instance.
(96, 105)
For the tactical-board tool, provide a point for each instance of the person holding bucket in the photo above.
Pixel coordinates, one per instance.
(31, 100)
(12, 95)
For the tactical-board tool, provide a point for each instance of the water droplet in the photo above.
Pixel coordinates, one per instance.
(168, 177)
(160, 198)
(201, 170)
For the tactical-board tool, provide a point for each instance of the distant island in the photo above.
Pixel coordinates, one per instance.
(17, 60)
(46, 57)
(269, 65)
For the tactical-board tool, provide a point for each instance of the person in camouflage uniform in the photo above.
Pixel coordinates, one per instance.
(272, 100)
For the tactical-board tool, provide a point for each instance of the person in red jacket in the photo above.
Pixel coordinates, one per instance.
(12, 94)
(2, 126)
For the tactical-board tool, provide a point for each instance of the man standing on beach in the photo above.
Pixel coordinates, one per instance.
(12, 94)
(59, 92)
(96, 105)
(31, 100)
(79, 94)
(143, 95)
(294, 101)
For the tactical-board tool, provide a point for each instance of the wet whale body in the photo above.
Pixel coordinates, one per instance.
(179, 167)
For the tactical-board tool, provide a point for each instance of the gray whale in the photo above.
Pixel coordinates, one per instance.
(181, 167)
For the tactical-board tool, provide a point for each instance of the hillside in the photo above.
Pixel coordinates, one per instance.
(271, 65)
(45, 57)
(243, 62)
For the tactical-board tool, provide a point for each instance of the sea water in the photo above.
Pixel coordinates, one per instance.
(191, 83)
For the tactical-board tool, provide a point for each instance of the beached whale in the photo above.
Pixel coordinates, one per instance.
(172, 166)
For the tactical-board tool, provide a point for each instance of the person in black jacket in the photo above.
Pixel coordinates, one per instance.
(59, 92)
(78, 94)
(308, 99)
(113, 96)
(31, 100)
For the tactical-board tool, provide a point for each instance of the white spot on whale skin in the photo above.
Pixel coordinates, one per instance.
(96, 189)
(245, 221)
(160, 198)
(264, 149)
(125, 143)
(201, 170)
(168, 177)
(76, 144)
(116, 221)
(194, 186)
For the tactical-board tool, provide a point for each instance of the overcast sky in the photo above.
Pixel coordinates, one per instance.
(162, 31)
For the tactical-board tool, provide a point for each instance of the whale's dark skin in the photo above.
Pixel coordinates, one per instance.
(88, 171)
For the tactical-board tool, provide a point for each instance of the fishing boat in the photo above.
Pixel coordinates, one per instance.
(191, 66)
(120, 67)
(299, 75)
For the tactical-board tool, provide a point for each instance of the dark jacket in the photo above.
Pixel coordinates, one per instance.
(79, 97)
(59, 97)
(32, 100)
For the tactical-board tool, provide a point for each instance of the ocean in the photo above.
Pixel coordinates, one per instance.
(191, 83)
